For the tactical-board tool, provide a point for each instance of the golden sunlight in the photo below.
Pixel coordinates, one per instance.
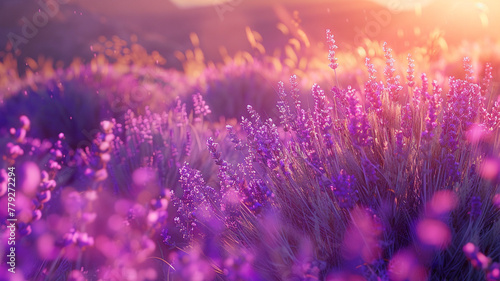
(403, 5)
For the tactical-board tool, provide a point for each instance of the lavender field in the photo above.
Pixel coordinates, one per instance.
(241, 140)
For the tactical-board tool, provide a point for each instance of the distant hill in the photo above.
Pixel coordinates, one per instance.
(161, 26)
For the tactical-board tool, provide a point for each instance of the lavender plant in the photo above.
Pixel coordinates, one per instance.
(379, 186)
(389, 179)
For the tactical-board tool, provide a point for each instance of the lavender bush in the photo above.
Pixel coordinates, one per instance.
(389, 183)
(395, 178)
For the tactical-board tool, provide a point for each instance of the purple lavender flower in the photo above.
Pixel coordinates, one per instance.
(493, 117)
(430, 122)
(263, 138)
(359, 127)
(180, 113)
(321, 115)
(286, 117)
(485, 88)
(294, 85)
(373, 90)
(407, 121)
(201, 109)
(465, 98)
(331, 50)
(212, 147)
(196, 202)
(187, 144)
(369, 170)
(410, 77)
(392, 80)
(424, 89)
(344, 190)
(485, 85)
(234, 138)
(449, 129)
(469, 72)
(399, 145)
(452, 173)
(475, 207)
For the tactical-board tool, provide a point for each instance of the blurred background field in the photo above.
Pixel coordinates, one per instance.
(216, 48)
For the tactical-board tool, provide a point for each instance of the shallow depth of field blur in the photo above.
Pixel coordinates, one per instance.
(205, 140)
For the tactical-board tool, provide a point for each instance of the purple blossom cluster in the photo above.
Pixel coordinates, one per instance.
(194, 206)
(392, 80)
(344, 190)
(373, 90)
(359, 126)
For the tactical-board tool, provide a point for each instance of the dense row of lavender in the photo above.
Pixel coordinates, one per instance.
(395, 179)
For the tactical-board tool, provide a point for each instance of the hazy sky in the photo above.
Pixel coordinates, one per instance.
(159, 4)
(397, 4)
